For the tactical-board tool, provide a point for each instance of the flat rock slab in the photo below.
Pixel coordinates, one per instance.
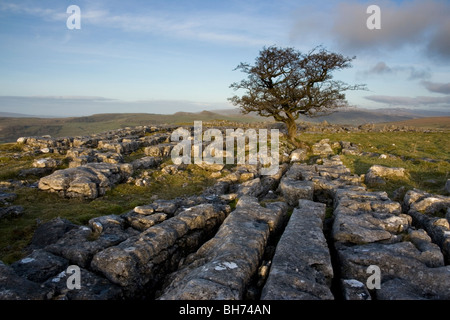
(301, 268)
(223, 266)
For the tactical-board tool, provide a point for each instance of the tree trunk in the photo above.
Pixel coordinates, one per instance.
(292, 131)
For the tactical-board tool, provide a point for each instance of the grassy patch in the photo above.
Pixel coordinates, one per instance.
(15, 234)
(409, 148)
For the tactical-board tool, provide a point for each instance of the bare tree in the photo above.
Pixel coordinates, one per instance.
(285, 83)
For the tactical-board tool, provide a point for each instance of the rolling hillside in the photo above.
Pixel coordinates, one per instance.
(12, 128)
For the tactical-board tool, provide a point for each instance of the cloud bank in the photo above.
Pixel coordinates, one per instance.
(420, 101)
(410, 72)
(419, 23)
(437, 87)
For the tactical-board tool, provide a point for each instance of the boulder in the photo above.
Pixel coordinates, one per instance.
(298, 155)
(88, 181)
(322, 148)
(349, 148)
(146, 163)
(142, 222)
(376, 174)
(46, 163)
(160, 150)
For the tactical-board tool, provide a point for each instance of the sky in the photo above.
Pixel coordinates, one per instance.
(164, 56)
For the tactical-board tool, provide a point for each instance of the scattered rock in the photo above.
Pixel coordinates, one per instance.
(46, 163)
(11, 212)
(322, 148)
(298, 155)
(376, 174)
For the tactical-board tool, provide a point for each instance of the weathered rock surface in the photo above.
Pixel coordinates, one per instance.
(298, 155)
(404, 272)
(223, 266)
(93, 287)
(363, 217)
(142, 261)
(293, 190)
(322, 148)
(11, 212)
(369, 230)
(194, 248)
(89, 181)
(80, 244)
(429, 212)
(50, 232)
(376, 174)
(14, 287)
(301, 268)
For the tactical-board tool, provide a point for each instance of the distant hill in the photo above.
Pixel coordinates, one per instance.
(358, 116)
(425, 123)
(14, 115)
(12, 128)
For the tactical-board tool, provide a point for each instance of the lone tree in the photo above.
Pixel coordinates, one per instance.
(285, 83)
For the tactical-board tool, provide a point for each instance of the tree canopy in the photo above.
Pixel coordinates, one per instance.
(285, 83)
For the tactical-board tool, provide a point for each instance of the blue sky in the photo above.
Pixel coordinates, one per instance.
(168, 56)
